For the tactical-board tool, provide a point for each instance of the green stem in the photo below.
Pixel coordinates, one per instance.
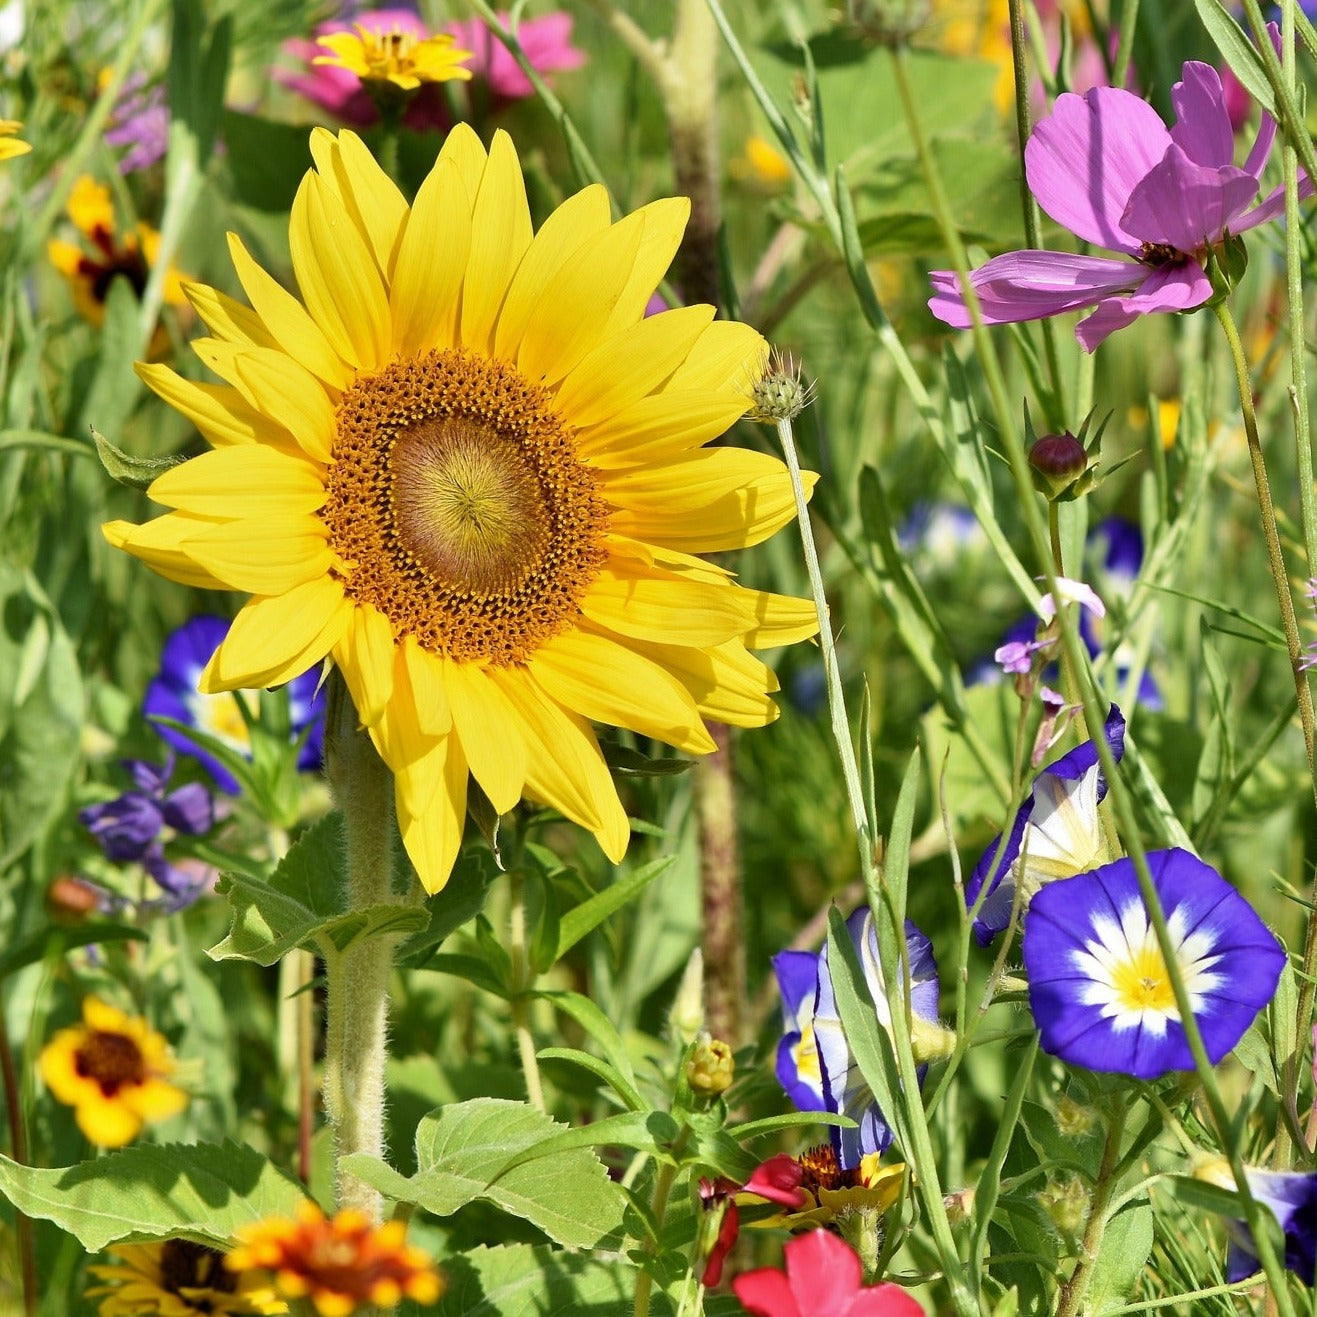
(667, 1175)
(1073, 1291)
(1129, 20)
(27, 1256)
(522, 979)
(357, 999)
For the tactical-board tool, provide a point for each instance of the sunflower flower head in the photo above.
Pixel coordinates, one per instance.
(468, 469)
(393, 63)
(10, 144)
(339, 1263)
(177, 1278)
(114, 1071)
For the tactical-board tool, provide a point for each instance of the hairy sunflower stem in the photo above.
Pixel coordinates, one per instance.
(356, 1044)
(522, 977)
(1069, 1301)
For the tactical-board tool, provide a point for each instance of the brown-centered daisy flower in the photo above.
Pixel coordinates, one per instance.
(830, 1192)
(114, 1071)
(469, 469)
(177, 1278)
(339, 1263)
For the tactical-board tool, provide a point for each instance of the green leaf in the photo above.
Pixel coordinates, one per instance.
(756, 1129)
(34, 947)
(598, 1067)
(597, 1025)
(471, 1151)
(204, 1191)
(1237, 51)
(135, 472)
(461, 900)
(1126, 1246)
(302, 904)
(266, 159)
(587, 916)
(521, 1280)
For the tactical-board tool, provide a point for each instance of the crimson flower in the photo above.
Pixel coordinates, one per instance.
(778, 1180)
(822, 1279)
(1106, 167)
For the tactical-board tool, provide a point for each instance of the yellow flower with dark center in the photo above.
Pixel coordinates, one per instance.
(11, 146)
(178, 1278)
(90, 267)
(469, 469)
(114, 1071)
(395, 56)
(830, 1192)
(338, 1264)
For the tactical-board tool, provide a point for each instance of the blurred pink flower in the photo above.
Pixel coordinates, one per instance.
(1106, 167)
(546, 41)
(140, 121)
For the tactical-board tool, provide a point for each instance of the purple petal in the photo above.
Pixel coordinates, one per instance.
(149, 777)
(189, 809)
(1177, 287)
(1185, 205)
(1085, 158)
(1271, 206)
(1202, 127)
(1031, 285)
(126, 827)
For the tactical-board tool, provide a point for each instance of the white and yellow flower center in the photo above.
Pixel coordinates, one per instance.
(806, 1056)
(1127, 974)
(220, 716)
(1064, 834)
(459, 508)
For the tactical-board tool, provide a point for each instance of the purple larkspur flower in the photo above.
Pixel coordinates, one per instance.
(1055, 833)
(173, 693)
(139, 121)
(1105, 167)
(1099, 988)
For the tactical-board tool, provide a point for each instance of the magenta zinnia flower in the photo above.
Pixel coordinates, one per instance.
(1106, 167)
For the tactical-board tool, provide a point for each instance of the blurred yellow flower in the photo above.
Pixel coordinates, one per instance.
(395, 57)
(339, 1264)
(178, 1278)
(763, 166)
(114, 1071)
(10, 146)
(1168, 419)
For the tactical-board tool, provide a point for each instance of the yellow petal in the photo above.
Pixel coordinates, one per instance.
(610, 683)
(158, 544)
(706, 501)
(228, 319)
(369, 195)
(428, 676)
(625, 367)
(154, 1099)
(490, 732)
(780, 619)
(426, 290)
(665, 222)
(292, 396)
(247, 481)
(267, 556)
(287, 320)
(106, 1122)
(569, 319)
(688, 566)
(58, 1065)
(337, 276)
(217, 410)
(466, 151)
(500, 234)
(564, 766)
(364, 655)
(274, 640)
(659, 606)
(660, 427)
(727, 684)
(729, 355)
(579, 219)
(432, 840)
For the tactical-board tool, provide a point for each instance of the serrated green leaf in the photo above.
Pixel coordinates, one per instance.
(471, 1151)
(204, 1191)
(302, 904)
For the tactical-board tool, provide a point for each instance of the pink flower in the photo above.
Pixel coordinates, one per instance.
(822, 1280)
(1106, 167)
(778, 1180)
(546, 41)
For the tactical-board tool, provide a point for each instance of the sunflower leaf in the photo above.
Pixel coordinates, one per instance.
(201, 1191)
(135, 472)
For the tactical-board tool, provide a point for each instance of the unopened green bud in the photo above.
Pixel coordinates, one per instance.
(781, 393)
(1066, 1203)
(687, 1017)
(711, 1069)
(1059, 462)
(1072, 1119)
(930, 1041)
(959, 1206)
(863, 1229)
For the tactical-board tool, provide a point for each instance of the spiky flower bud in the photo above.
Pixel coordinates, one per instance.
(711, 1069)
(1066, 1203)
(1072, 1119)
(781, 393)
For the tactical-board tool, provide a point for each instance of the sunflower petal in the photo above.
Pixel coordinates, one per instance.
(660, 427)
(467, 152)
(728, 355)
(158, 544)
(292, 396)
(490, 732)
(217, 410)
(268, 556)
(428, 676)
(660, 606)
(273, 640)
(727, 684)
(227, 318)
(369, 195)
(433, 839)
(780, 619)
(665, 223)
(364, 655)
(252, 480)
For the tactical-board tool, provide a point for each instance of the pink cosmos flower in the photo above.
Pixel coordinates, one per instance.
(822, 1280)
(547, 42)
(1106, 167)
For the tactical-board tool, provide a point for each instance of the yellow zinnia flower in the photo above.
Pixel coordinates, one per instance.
(395, 56)
(339, 1264)
(831, 1192)
(177, 1278)
(10, 146)
(113, 1070)
(472, 471)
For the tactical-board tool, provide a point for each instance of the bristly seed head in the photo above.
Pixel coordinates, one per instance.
(781, 393)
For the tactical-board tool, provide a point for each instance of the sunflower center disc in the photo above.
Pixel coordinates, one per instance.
(459, 507)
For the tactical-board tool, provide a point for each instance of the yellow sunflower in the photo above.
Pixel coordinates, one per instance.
(10, 145)
(114, 1071)
(467, 468)
(177, 1278)
(395, 56)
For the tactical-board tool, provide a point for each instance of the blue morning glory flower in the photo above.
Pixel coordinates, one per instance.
(797, 1056)
(1098, 985)
(844, 1087)
(1116, 545)
(1056, 833)
(173, 694)
(1291, 1196)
